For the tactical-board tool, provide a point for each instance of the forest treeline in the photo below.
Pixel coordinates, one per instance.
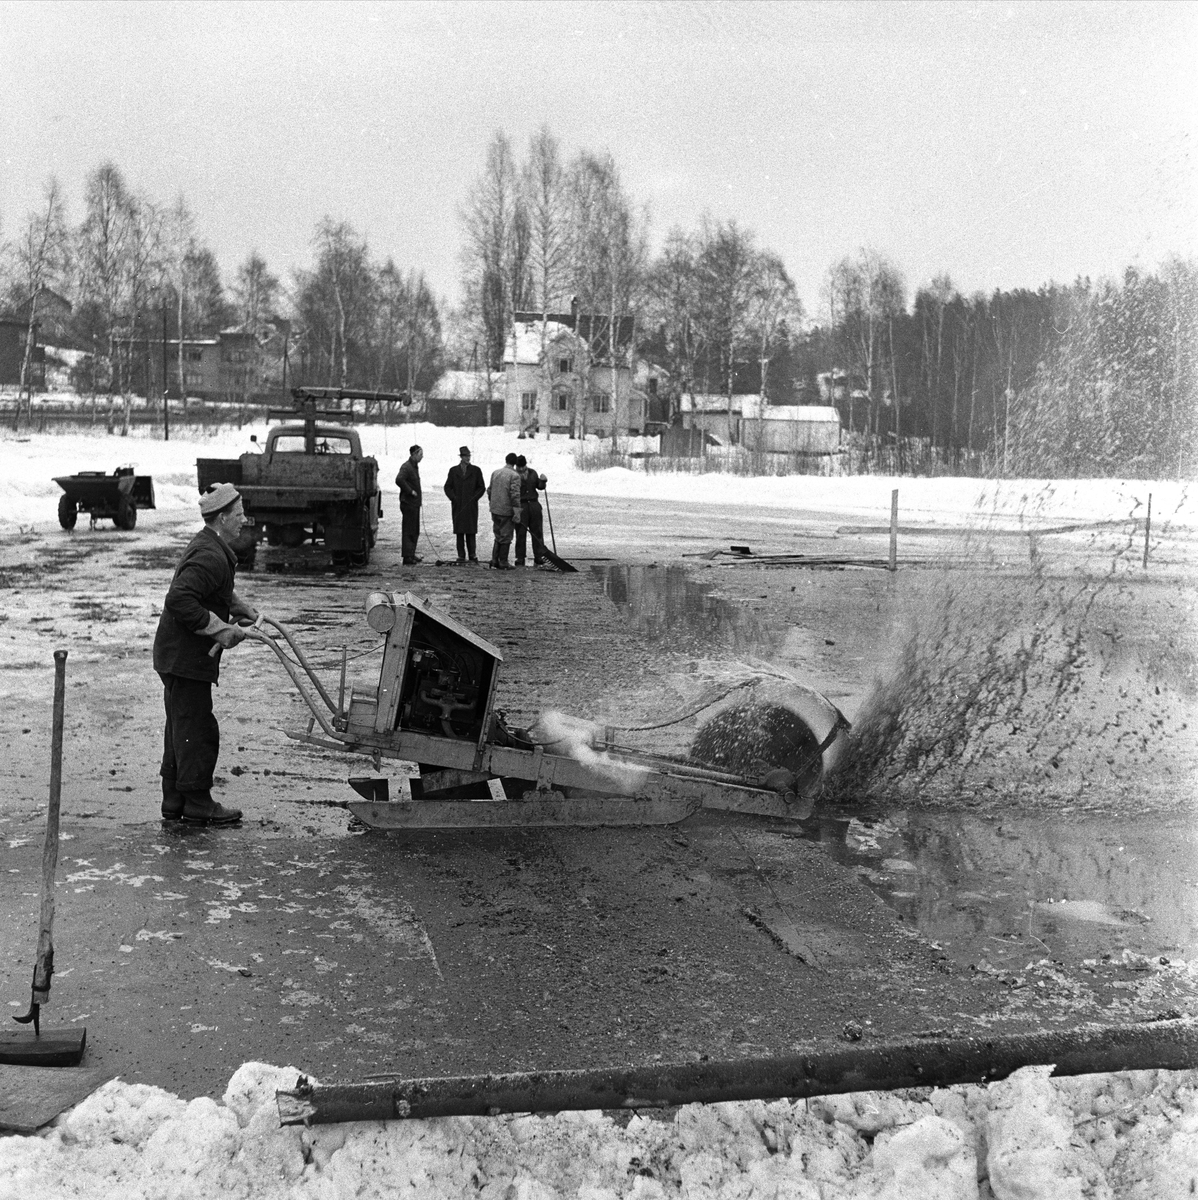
(1085, 378)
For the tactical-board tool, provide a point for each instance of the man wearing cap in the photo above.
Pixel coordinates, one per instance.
(465, 488)
(504, 493)
(534, 522)
(197, 623)
(410, 500)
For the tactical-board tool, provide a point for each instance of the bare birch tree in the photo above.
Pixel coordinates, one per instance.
(546, 201)
(178, 236)
(255, 294)
(673, 295)
(726, 275)
(103, 255)
(42, 258)
(495, 257)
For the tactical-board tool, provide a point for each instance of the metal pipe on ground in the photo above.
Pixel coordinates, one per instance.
(921, 1062)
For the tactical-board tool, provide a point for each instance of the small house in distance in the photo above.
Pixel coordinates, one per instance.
(466, 398)
(789, 429)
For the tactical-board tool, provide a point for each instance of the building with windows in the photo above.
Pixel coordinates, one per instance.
(231, 366)
(560, 377)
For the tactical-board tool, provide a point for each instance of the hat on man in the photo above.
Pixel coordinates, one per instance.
(464, 451)
(521, 461)
(218, 496)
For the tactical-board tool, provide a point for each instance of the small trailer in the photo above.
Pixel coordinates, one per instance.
(435, 706)
(115, 497)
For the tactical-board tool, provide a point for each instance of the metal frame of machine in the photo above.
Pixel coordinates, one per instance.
(435, 706)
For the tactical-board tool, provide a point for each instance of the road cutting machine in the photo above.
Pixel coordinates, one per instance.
(766, 751)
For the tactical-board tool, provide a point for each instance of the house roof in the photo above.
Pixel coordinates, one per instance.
(592, 327)
(712, 402)
(807, 414)
(526, 339)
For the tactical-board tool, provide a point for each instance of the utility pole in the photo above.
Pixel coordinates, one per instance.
(166, 419)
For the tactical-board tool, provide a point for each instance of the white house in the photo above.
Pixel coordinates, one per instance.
(558, 375)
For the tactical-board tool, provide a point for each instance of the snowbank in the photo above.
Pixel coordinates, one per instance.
(1133, 1135)
(29, 496)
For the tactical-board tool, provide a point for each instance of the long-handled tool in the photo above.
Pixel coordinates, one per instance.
(44, 966)
(552, 555)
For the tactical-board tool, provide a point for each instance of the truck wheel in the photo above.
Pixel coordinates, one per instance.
(294, 535)
(126, 513)
(68, 514)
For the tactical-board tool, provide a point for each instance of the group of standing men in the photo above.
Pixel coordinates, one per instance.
(514, 503)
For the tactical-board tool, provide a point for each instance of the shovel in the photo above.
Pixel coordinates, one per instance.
(44, 966)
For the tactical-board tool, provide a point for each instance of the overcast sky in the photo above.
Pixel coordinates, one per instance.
(1006, 144)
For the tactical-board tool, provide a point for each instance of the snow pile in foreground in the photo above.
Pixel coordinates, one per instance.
(1131, 1135)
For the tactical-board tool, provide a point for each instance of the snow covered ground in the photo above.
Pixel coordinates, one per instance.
(28, 494)
(1131, 1135)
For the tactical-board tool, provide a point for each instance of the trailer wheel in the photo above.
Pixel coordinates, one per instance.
(126, 513)
(68, 513)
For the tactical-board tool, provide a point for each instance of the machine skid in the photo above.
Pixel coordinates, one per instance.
(434, 706)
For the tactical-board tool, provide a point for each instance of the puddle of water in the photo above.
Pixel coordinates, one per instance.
(1016, 888)
(668, 605)
(1002, 883)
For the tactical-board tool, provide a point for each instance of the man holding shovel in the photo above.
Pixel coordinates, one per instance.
(199, 621)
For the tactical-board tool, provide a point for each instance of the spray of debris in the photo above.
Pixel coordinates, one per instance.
(1044, 685)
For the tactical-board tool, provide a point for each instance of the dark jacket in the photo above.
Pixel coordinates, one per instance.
(465, 489)
(408, 482)
(202, 585)
(530, 484)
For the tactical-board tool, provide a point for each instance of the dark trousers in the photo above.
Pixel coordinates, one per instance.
(191, 739)
(502, 527)
(534, 523)
(409, 530)
(466, 546)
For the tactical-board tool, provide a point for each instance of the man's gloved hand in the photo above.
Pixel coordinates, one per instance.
(517, 517)
(246, 615)
(228, 637)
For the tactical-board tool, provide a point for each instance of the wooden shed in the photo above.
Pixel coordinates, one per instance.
(790, 429)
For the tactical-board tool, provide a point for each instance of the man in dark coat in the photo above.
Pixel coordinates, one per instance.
(465, 488)
(197, 623)
(534, 520)
(408, 482)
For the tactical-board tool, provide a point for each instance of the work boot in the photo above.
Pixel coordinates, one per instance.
(200, 809)
(519, 562)
(172, 802)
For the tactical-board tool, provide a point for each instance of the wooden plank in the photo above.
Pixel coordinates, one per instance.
(30, 1097)
(521, 814)
(55, 1048)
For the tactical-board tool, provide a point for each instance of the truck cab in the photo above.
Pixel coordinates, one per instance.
(309, 481)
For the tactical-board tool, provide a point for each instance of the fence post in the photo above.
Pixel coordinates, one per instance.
(894, 530)
(1147, 530)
